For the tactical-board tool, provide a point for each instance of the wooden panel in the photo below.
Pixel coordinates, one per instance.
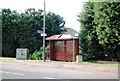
(52, 56)
(59, 50)
(69, 47)
(76, 47)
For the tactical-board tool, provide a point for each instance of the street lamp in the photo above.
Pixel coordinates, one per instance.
(44, 33)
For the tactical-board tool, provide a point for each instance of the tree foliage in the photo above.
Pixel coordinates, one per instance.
(88, 36)
(108, 27)
(100, 26)
(19, 30)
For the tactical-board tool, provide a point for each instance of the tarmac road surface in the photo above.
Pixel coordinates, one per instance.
(20, 70)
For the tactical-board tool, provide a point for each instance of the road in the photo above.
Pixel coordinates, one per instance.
(26, 71)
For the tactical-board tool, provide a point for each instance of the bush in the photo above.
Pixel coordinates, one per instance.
(37, 55)
(87, 57)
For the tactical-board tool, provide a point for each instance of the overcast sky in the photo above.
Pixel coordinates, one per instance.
(68, 9)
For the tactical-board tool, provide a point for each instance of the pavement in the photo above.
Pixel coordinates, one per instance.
(67, 65)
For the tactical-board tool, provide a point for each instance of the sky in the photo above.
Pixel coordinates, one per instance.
(68, 9)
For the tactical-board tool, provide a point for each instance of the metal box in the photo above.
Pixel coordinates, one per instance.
(79, 58)
(21, 53)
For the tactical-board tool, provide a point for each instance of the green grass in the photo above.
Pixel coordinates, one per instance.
(36, 60)
(7, 58)
(100, 65)
(83, 63)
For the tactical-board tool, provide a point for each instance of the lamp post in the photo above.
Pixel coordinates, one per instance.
(44, 33)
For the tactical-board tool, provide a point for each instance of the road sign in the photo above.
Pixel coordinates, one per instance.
(43, 34)
(39, 31)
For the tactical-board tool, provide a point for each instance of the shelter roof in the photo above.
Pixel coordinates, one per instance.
(61, 37)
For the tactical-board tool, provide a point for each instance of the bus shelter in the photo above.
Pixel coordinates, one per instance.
(63, 47)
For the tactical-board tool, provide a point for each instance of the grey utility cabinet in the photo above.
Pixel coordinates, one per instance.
(22, 53)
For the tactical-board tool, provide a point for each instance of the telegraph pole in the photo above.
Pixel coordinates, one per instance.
(44, 34)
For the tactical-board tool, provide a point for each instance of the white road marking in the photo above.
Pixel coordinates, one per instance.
(48, 78)
(12, 73)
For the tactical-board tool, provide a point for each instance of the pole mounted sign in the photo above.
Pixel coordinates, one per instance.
(41, 32)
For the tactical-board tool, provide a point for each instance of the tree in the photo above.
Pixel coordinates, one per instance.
(99, 35)
(0, 32)
(19, 30)
(54, 24)
(7, 39)
(107, 18)
(88, 36)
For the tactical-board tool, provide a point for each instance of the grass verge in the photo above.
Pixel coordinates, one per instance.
(101, 64)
